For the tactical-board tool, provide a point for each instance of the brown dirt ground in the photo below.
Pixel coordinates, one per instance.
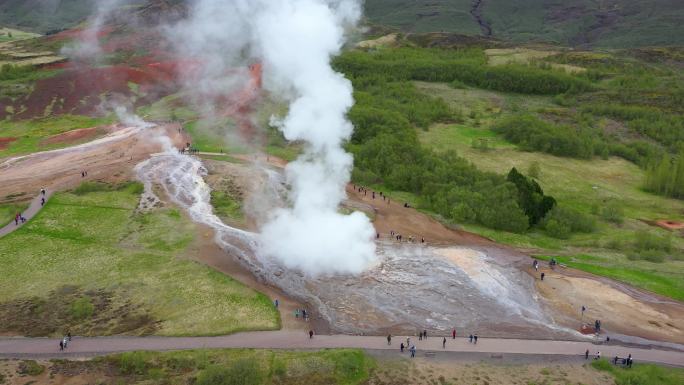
(61, 170)
(73, 136)
(621, 309)
(4, 142)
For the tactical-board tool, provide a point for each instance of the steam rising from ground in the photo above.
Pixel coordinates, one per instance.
(295, 39)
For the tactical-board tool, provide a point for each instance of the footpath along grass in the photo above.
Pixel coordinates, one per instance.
(9, 210)
(641, 374)
(96, 241)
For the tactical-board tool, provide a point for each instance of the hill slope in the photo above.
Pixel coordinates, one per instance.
(608, 23)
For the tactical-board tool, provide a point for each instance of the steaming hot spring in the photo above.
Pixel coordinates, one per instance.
(406, 288)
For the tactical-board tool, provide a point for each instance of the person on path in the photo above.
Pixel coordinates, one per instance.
(413, 351)
(66, 342)
(475, 339)
(69, 336)
(471, 338)
(598, 356)
(586, 355)
(408, 342)
(296, 313)
(276, 303)
(444, 343)
(16, 219)
(615, 360)
(453, 334)
(42, 201)
(401, 347)
(629, 361)
(542, 276)
(425, 334)
(420, 336)
(389, 339)
(61, 345)
(310, 334)
(42, 192)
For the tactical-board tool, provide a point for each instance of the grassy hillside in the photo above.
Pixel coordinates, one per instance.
(44, 16)
(105, 269)
(615, 23)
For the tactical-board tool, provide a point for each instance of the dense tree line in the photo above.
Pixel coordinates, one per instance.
(531, 197)
(460, 66)
(666, 176)
(387, 151)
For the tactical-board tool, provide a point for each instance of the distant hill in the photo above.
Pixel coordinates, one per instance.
(604, 23)
(44, 16)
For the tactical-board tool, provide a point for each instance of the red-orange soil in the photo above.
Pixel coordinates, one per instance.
(73, 136)
(4, 142)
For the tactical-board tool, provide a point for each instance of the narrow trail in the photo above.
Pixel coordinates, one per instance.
(476, 12)
(29, 213)
(89, 347)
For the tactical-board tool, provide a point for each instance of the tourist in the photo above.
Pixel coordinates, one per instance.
(471, 338)
(542, 276)
(310, 334)
(425, 334)
(453, 334)
(475, 339)
(69, 335)
(408, 341)
(444, 343)
(16, 219)
(296, 313)
(65, 342)
(615, 360)
(629, 361)
(420, 336)
(413, 351)
(401, 347)
(389, 339)
(586, 355)
(42, 192)
(61, 345)
(276, 303)
(42, 201)
(598, 356)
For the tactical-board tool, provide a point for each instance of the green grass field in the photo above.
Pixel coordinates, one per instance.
(10, 34)
(9, 210)
(96, 242)
(30, 134)
(584, 185)
(641, 374)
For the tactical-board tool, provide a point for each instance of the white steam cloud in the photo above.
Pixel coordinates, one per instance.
(295, 40)
(87, 46)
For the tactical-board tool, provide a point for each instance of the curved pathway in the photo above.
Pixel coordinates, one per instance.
(29, 213)
(88, 347)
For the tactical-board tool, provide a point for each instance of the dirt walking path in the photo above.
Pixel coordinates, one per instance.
(87, 347)
(29, 213)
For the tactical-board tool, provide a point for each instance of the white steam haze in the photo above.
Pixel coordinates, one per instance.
(87, 46)
(295, 41)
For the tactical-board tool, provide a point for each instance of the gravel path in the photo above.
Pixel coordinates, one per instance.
(88, 347)
(29, 213)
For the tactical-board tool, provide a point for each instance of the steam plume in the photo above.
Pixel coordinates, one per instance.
(295, 39)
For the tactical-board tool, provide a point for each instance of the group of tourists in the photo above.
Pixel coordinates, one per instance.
(19, 218)
(365, 191)
(400, 238)
(304, 314)
(422, 335)
(84, 174)
(617, 360)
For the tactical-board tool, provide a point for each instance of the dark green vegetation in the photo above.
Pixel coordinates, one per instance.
(641, 374)
(666, 177)
(444, 142)
(619, 23)
(98, 267)
(232, 367)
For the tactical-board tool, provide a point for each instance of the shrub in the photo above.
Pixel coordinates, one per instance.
(82, 308)
(613, 212)
(570, 219)
(241, 372)
(133, 363)
(558, 229)
(31, 368)
(646, 240)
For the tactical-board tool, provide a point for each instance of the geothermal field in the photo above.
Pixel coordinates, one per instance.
(191, 170)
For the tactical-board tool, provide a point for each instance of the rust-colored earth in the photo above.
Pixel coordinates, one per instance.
(4, 142)
(73, 136)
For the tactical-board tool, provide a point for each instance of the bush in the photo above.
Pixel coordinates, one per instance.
(241, 372)
(82, 308)
(133, 363)
(31, 368)
(563, 218)
(641, 374)
(654, 256)
(613, 212)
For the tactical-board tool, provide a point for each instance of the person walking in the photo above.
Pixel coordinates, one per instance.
(296, 313)
(389, 339)
(61, 345)
(420, 336)
(475, 339)
(453, 334)
(42, 201)
(444, 343)
(413, 351)
(310, 334)
(598, 356)
(401, 347)
(42, 192)
(425, 334)
(586, 355)
(276, 303)
(542, 276)
(471, 339)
